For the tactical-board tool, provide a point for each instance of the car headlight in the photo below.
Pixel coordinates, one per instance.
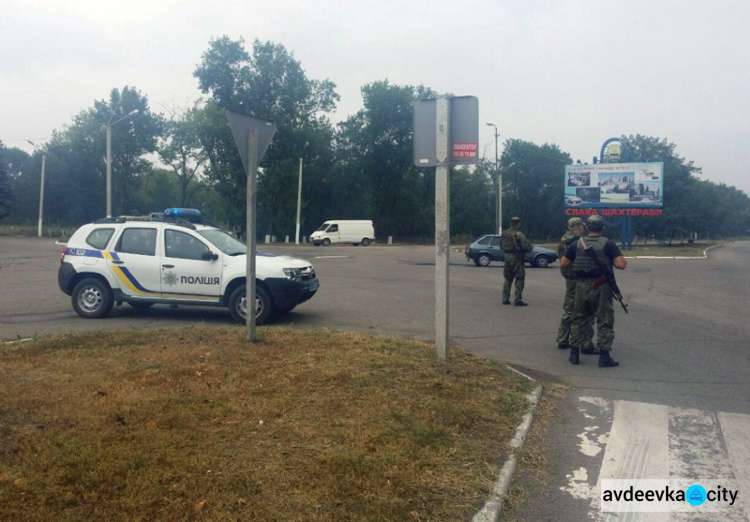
(293, 274)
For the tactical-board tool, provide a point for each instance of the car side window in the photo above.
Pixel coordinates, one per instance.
(495, 242)
(140, 241)
(182, 246)
(484, 241)
(333, 228)
(100, 237)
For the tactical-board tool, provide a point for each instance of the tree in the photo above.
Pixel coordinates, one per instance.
(6, 195)
(269, 84)
(533, 189)
(379, 179)
(180, 149)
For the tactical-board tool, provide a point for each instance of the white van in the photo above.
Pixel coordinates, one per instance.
(355, 232)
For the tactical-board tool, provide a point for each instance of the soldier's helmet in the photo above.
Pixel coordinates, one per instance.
(595, 223)
(574, 222)
(515, 220)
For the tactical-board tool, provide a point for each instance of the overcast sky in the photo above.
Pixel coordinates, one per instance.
(573, 73)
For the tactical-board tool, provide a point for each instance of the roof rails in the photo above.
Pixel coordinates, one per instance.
(154, 217)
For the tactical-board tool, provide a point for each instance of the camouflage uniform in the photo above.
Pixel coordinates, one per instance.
(592, 302)
(514, 245)
(563, 332)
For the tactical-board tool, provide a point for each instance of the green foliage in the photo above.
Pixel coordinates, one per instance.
(533, 186)
(269, 84)
(6, 195)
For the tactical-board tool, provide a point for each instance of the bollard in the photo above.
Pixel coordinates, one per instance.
(390, 240)
(286, 240)
(268, 239)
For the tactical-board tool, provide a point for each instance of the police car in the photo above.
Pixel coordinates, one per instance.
(175, 258)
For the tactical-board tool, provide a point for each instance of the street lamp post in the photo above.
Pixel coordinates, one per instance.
(41, 192)
(108, 126)
(499, 217)
(299, 194)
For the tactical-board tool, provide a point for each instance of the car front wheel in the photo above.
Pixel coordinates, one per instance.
(484, 260)
(238, 305)
(541, 261)
(92, 299)
(326, 242)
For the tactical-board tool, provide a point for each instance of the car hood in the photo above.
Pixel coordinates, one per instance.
(269, 260)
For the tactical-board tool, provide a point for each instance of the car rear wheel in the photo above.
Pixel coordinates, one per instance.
(541, 261)
(484, 260)
(238, 305)
(366, 241)
(92, 299)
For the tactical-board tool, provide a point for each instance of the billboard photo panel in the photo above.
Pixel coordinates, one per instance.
(621, 185)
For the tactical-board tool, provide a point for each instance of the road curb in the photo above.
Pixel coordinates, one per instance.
(493, 507)
(705, 255)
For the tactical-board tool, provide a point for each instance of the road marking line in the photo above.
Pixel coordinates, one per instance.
(331, 257)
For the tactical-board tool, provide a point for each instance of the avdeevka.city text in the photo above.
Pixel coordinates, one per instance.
(631, 494)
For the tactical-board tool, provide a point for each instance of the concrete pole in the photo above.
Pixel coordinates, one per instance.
(41, 198)
(299, 202)
(250, 225)
(109, 171)
(442, 228)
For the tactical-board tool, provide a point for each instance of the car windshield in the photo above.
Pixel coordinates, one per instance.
(228, 244)
(322, 227)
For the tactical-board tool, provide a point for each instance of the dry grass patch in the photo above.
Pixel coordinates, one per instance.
(197, 424)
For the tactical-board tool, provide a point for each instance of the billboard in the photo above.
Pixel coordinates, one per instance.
(614, 185)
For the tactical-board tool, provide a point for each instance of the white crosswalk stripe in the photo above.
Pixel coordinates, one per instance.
(639, 441)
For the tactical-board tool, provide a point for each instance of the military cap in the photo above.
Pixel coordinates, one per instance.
(515, 219)
(574, 222)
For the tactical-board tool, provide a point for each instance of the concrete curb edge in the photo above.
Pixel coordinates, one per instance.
(492, 508)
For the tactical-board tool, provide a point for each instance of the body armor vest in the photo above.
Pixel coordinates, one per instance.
(583, 265)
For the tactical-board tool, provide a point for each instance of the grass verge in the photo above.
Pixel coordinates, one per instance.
(197, 424)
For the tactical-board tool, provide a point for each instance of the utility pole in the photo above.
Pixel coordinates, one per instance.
(108, 126)
(299, 194)
(499, 217)
(41, 192)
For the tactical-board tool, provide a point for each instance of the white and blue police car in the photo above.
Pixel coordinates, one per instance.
(175, 258)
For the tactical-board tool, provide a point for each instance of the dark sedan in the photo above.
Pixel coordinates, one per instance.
(486, 249)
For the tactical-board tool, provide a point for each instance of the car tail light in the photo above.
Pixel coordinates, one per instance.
(62, 256)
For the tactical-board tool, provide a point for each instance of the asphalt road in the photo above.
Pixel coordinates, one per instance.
(684, 341)
(684, 345)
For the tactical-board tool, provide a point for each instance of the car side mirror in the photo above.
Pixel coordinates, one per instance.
(209, 256)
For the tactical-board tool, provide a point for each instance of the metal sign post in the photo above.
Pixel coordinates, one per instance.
(446, 132)
(442, 227)
(252, 137)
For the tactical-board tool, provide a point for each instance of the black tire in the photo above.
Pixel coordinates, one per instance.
(484, 260)
(92, 298)
(326, 242)
(140, 305)
(541, 261)
(316, 244)
(238, 305)
(366, 241)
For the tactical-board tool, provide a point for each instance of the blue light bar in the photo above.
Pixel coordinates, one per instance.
(183, 213)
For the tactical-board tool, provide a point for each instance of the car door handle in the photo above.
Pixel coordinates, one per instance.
(118, 262)
(167, 266)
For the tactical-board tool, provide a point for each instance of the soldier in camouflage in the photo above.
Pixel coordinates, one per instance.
(591, 301)
(576, 229)
(514, 245)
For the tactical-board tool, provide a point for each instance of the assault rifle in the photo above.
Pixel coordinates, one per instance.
(608, 277)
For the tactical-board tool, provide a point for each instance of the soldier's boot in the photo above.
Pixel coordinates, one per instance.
(563, 346)
(573, 359)
(591, 350)
(605, 361)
